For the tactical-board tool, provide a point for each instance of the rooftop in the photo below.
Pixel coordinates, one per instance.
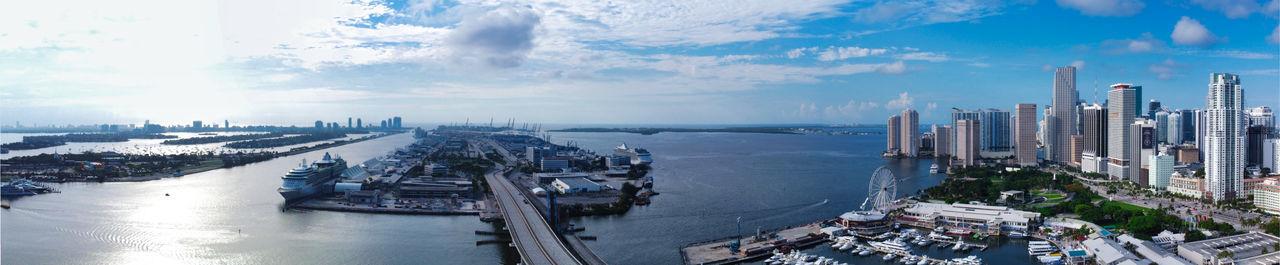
(1244, 245)
(577, 182)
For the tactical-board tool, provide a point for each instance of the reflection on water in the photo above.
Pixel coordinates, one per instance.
(230, 216)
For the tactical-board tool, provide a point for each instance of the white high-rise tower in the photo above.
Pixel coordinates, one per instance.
(1120, 114)
(1224, 137)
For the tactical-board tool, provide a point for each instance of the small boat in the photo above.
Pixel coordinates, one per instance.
(1016, 234)
(846, 247)
(4, 205)
(889, 256)
(865, 252)
(934, 169)
(966, 248)
(957, 246)
(923, 261)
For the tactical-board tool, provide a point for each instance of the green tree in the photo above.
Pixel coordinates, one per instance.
(1194, 235)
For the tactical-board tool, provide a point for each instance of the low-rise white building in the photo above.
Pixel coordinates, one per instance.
(1266, 196)
(1107, 252)
(574, 185)
(1184, 185)
(978, 218)
(1250, 248)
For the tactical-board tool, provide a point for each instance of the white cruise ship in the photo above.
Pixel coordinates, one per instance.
(307, 180)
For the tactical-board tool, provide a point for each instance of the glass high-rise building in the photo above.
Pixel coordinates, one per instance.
(1063, 121)
(1224, 137)
(910, 130)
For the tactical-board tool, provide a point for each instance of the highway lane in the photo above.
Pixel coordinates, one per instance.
(537, 243)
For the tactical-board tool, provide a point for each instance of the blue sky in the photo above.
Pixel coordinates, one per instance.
(655, 62)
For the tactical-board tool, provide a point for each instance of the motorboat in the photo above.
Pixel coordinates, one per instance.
(846, 247)
(934, 169)
(1017, 234)
(889, 256)
(957, 246)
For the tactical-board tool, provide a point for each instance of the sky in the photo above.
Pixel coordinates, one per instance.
(624, 62)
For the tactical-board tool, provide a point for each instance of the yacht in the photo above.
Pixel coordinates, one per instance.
(957, 246)
(1037, 248)
(1017, 234)
(934, 169)
(890, 245)
(889, 256)
(866, 251)
(846, 247)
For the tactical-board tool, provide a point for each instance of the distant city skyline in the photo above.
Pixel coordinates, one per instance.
(627, 63)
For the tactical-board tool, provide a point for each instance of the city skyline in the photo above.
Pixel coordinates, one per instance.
(764, 62)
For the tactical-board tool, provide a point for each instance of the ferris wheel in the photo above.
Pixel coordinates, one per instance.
(882, 190)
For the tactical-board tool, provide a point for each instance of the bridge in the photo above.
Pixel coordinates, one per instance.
(535, 239)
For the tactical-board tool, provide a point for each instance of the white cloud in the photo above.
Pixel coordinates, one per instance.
(1105, 8)
(893, 68)
(1274, 38)
(1145, 43)
(903, 101)
(924, 56)
(1165, 70)
(500, 38)
(1231, 8)
(931, 107)
(799, 52)
(979, 64)
(841, 53)
(1046, 68)
(1078, 64)
(852, 109)
(1188, 31)
(898, 14)
(662, 23)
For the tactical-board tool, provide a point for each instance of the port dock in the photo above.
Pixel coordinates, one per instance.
(716, 252)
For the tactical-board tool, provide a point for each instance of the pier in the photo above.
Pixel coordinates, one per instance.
(716, 252)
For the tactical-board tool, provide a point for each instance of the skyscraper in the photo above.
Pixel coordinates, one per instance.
(1137, 101)
(359, 123)
(1025, 133)
(941, 140)
(226, 124)
(1120, 115)
(1065, 97)
(967, 142)
(319, 124)
(348, 122)
(910, 131)
(1152, 108)
(1174, 129)
(894, 134)
(396, 122)
(1162, 126)
(996, 133)
(197, 124)
(1224, 137)
(1093, 158)
(1261, 116)
(1142, 144)
(1188, 126)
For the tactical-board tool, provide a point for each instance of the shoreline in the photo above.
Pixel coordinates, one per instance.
(202, 167)
(320, 205)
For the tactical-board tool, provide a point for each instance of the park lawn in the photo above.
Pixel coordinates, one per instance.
(1126, 206)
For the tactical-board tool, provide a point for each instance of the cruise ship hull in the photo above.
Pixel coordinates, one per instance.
(291, 194)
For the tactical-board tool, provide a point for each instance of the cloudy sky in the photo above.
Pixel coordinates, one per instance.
(645, 62)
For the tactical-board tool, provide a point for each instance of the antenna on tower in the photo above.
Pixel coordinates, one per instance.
(1095, 89)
